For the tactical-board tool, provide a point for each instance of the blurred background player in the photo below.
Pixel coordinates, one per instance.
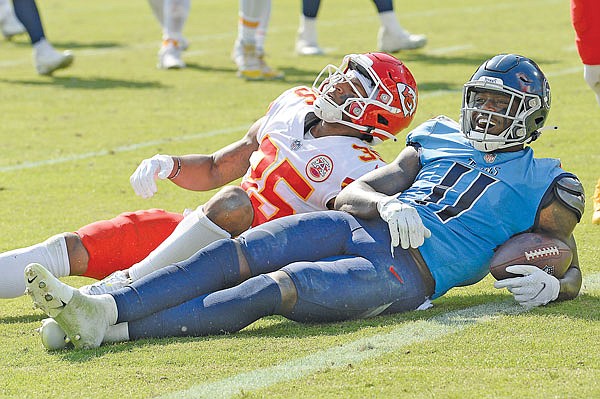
(585, 15)
(46, 58)
(249, 48)
(171, 15)
(392, 37)
(9, 24)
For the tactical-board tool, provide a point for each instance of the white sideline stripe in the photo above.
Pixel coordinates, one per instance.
(360, 350)
(125, 148)
(133, 147)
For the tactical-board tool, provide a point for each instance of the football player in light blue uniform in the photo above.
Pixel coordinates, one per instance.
(453, 195)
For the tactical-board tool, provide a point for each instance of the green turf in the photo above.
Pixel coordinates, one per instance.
(70, 142)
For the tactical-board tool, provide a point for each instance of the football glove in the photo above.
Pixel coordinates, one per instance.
(405, 224)
(143, 180)
(534, 288)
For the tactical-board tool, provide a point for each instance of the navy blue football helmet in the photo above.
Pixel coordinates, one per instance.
(527, 100)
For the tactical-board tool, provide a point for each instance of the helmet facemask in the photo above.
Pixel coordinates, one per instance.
(519, 116)
(353, 109)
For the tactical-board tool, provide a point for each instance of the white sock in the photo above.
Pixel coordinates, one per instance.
(117, 333)
(175, 14)
(308, 29)
(591, 74)
(5, 9)
(43, 47)
(192, 234)
(52, 254)
(390, 23)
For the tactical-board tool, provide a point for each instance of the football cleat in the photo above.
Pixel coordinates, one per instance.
(251, 63)
(269, 73)
(83, 318)
(391, 42)
(169, 55)
(11, 26)
(304, 47)
(47, 59)
(53, 337)
(111, 283)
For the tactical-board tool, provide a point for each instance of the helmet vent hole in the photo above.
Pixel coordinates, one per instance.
(539, 120)
(382, 120)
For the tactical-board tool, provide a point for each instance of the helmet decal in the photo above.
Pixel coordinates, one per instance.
(408, 99)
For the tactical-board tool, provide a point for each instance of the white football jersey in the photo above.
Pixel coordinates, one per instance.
(295, 173)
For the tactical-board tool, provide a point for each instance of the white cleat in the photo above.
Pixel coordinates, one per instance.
(53, 337)
(169, 55)
(111, 283)
(11, 26)
(251, 63)
(391, 42)
(304, 47)
(47, 60)
(83, 318)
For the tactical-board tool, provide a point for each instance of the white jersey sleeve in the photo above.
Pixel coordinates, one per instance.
(295, 173)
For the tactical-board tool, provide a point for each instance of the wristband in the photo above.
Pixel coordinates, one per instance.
(178, 169)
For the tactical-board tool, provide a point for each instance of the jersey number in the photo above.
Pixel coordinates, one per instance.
(466, 200)
(284, 172)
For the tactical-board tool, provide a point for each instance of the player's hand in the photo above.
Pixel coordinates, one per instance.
(143, 180)
(405, 224)
(535, 288)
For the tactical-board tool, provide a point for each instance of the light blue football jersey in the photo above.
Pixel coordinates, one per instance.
(472, 201)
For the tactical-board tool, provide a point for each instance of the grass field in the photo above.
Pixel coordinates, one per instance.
(70, 142)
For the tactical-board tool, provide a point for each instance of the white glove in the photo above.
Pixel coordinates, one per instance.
(143, 179)
(535, 288)
(406, 226)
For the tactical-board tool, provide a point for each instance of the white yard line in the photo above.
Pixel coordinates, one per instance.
(360, 350)
(125, 148)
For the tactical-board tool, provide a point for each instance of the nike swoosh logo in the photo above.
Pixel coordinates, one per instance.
(32, 280)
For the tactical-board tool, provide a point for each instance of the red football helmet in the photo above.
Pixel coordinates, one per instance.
(392, 95)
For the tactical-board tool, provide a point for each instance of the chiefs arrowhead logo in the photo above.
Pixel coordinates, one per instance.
(319, 168)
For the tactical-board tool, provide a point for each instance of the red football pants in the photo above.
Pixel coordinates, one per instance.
(118, 243)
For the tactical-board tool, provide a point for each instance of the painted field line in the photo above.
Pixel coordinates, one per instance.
(133, 147)
(360, 350)
(125, 148)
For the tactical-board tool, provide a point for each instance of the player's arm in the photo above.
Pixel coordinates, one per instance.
(558, 219)
(197, 172)
(205, 172)
(360, 198)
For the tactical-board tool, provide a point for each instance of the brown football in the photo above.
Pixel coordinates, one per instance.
(549, 254)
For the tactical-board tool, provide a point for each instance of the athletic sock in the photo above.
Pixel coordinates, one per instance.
(193, 233)
(175, 14)
(52, 254)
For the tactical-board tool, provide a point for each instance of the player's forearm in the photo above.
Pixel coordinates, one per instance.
(359, 199)
(195, 172)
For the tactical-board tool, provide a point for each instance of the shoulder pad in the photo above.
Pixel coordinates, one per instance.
(569, 192)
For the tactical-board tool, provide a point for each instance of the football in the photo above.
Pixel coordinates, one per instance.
(549, 254)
